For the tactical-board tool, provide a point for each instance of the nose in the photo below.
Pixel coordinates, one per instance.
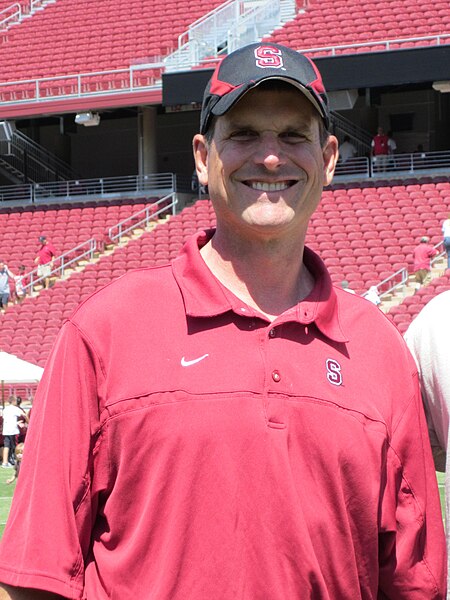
(269, 152)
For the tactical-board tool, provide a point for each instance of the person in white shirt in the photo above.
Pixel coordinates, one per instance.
(372, 295)
(5, 291)
(346, 150)
(446, 236)
(392, 148)
(427, 338)
(11, 415)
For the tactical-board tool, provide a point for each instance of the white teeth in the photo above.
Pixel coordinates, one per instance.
(269, 187)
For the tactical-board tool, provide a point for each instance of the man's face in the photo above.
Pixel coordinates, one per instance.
(2, 266)
(265, 166)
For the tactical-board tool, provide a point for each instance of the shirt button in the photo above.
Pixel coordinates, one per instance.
(272, 333)
(276, 376)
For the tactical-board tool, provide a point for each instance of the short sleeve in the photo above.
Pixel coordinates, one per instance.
(55, 499)
(412, 543)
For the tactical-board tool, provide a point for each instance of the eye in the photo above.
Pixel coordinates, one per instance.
(242, 135)
(293, 137)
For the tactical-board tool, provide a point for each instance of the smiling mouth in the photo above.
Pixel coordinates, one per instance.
(278, 186)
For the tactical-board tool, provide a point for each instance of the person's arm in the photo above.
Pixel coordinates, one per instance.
(13, 593)
(53, 561)
(25, 416)
(412, 551)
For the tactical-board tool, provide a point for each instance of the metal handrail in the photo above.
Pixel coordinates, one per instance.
(358, 166)
(440, 254)
(17, 15)
(142, 218)
(385, 44)
(41, 154)
(23, 11)
(407, 164)
(105, 187)
(400, 278)
(359, 135)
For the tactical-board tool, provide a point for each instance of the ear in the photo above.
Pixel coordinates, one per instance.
(330, 156)
(200, 148)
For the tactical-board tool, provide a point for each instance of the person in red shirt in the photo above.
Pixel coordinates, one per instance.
(240, 428)
(423, 253)
(44, 260)
(380, 150)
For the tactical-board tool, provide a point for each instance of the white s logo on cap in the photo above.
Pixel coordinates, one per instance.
(268, 57)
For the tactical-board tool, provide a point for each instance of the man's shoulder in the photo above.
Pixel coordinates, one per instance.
(360, 314)
(136, 284)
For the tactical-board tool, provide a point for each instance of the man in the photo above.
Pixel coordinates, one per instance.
(5, 290)
(380, 149)
(44, 260)
(346, 150)
(427, 338)
(422, 254)
(11, 415)
(241, 429)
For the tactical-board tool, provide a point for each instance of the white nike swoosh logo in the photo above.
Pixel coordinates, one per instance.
(188, 363)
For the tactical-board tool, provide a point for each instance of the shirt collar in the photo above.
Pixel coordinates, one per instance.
(205, 296)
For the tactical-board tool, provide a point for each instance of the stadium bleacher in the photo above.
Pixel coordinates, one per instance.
(327, 24)
(82, 37)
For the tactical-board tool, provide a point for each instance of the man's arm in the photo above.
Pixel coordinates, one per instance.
(13, 593)
(412, 543)
(27, 420)
(53, 537)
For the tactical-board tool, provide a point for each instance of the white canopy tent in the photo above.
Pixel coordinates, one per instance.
(16, 370)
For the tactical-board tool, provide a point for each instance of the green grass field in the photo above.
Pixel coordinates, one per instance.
(6, 493)
(440, 478)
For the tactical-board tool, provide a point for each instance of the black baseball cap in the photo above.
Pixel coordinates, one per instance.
(42, 239)
(247, 67)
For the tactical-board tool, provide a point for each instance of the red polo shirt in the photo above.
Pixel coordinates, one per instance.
(46, 252)
(184, 448)
(380, 144)
(423, 253)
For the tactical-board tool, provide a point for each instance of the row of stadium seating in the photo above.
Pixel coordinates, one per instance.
(327, 24)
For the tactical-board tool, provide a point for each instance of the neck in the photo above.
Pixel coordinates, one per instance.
(268, 275)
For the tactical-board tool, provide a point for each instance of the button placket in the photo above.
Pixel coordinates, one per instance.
(276, 376)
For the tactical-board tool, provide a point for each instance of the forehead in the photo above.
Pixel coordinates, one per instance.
(275, 105)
